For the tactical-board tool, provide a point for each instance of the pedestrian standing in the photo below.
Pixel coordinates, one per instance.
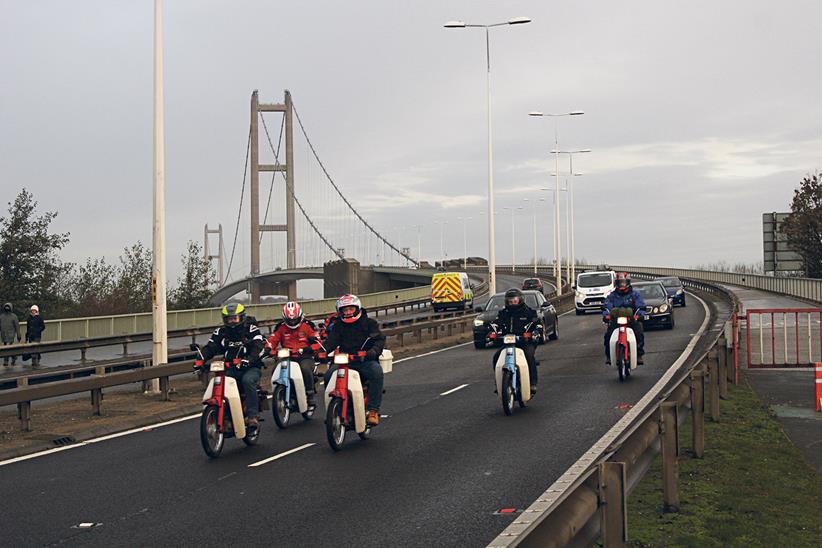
(9, 329)
(34, 331)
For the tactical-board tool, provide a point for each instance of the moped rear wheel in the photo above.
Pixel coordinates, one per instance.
(507, 393)
(334, 425)
(279, 407)
(210, 435)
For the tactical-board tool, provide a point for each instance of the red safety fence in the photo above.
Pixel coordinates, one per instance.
(784, 337)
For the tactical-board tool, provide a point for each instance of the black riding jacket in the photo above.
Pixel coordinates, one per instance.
(516, 320)
(364, 334)
(244, 341)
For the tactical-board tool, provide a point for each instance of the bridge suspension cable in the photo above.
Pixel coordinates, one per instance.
(240, 209)
(296, 200)
(339, 192)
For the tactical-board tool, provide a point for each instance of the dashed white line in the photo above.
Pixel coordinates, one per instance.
(460, 387)
(281, 455)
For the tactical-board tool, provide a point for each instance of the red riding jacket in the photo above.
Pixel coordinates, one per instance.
(293, 339)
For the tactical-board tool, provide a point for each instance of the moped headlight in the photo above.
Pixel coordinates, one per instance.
(622, 320)
(217, 366)
(478, 323)
(509, 339)
(283, 353)
(340, 358)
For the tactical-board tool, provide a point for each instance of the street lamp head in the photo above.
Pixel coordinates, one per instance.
(583, 150)
(576, 113)
(454, 25)
(535, 113)
(519, 21)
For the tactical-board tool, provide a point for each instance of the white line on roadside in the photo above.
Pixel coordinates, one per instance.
(460, 387)
(281, 455)
(429, 353)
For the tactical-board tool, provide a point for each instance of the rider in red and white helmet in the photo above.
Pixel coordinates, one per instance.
(353, 331)
(297, 334)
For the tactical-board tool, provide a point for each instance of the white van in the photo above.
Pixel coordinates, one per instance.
(591, 290)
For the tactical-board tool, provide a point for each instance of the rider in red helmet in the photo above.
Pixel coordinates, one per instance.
(297, 334)
(624, 296)
(351, 332)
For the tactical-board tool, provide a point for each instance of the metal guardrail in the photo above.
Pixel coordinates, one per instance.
(84, 344)
(590, 499)
(129, 324)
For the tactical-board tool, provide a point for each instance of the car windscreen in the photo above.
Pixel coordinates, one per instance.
(651, 291)
(671, 282)
(498, 301)
(594, 280)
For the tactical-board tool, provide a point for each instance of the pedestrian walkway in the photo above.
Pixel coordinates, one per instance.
(788, 392)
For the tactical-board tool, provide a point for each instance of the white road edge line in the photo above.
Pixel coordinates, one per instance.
(281, 455)
(429, 353)
(460, 387)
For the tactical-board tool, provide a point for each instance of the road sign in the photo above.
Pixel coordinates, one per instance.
(779, 255)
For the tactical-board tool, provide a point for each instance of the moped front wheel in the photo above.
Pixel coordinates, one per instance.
(620, 362)
(210, 435)
(279, 407)
(507, 393)
(334, 425)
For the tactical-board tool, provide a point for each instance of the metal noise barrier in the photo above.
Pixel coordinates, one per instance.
(589, 500)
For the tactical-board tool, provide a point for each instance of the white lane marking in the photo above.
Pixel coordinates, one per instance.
(460, 387)
(281, 455)
(96, 440)
(429, 353)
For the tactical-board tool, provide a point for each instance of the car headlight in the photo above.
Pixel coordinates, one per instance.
(680, 291)
(580, 295)
(478, 323)
(663, 308)
(655, 310)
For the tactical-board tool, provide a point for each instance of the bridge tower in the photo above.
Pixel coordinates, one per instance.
(289, 227)
(220, 256)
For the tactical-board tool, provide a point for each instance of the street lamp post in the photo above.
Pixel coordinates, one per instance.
(557, 240)
(534, 211)
(570, 197)
(492, 260)
(513, 237)
(464, 240)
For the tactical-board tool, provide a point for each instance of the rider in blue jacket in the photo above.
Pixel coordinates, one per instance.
(624, 296)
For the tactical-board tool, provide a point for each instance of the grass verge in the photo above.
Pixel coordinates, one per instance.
(753, 487)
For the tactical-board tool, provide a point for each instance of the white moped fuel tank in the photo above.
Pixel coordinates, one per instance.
(298, 385)
(522, 371)
(631, 345)
(231, 393)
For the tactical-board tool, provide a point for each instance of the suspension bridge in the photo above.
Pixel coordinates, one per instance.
(326, 236)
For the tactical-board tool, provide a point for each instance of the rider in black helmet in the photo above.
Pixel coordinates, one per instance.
(517, 319)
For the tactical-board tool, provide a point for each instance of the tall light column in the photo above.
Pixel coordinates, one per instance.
(159, 338)
(557, 238)
(492, 260)
(570, 197)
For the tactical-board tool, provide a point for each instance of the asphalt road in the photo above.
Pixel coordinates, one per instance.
(433, 473)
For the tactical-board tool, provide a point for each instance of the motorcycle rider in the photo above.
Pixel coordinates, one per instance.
(238, 338)
(296, 334)
(624, 296)
(517, 318)
(352, 331)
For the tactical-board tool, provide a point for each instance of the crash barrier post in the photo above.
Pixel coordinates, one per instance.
(783, 337)
(698, 412)
(713, 383)
(613, 499)
(669, 431)
(818, 386)
(722, 358)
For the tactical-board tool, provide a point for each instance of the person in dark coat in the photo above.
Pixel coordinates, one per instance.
(9, 329)
(353, 331)
(34, 331)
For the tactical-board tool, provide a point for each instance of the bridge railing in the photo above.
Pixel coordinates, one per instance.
(589, 500)
(129, 324)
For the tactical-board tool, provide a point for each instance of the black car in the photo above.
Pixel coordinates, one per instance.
(658, 308)
(676, 291)
(546, 315)
(533, 283)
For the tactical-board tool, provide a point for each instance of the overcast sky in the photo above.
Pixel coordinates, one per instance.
(701, 116)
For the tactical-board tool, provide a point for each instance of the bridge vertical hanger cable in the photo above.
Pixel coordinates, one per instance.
(339, 192)
(300, 205)
(240, 209)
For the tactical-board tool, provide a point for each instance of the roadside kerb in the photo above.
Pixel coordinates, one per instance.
(590, 499)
